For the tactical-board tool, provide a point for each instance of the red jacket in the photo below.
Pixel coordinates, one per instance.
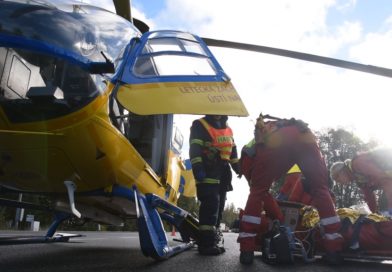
(294, 190)
(371, 174)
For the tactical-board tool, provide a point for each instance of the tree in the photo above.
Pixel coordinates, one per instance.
(229, 215)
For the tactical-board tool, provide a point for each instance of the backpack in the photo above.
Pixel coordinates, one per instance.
(278, 246)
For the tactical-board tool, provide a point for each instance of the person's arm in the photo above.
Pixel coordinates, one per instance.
(370, 198)
(365, 166)
(387, 188)
(375, 176)
(196, 143)
(234, 161)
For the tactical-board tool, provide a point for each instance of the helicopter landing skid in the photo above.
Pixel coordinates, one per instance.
(153, 240)
(50, 237)
(58, 237)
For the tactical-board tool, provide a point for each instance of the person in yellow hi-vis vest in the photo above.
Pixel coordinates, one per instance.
(212, 151)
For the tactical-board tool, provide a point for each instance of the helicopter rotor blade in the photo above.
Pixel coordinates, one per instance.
(381, 71)
(123, 8)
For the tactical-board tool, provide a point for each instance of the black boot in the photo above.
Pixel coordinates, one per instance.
(207, 243)
(246, 257)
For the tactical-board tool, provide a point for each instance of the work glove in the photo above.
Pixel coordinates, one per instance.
(198, 172)
(237, 169)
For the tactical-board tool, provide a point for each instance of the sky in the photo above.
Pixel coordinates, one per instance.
(323, 96)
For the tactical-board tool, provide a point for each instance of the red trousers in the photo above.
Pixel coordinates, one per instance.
(270, 163)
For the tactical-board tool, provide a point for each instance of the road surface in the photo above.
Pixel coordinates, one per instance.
(120, 251)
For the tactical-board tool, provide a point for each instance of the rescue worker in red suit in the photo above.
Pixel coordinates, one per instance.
(371, 171)
(293, 188)
(212, 151)
(277, 146)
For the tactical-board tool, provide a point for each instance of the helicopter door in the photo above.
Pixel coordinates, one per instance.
(160, 145)
(149, 134)
(168, 72)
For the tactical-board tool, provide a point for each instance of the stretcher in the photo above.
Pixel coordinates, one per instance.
(367, 238)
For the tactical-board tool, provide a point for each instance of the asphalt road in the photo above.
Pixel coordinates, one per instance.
(120, 251)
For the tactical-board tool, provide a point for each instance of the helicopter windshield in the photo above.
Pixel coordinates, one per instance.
(45, 53)
(81, 29)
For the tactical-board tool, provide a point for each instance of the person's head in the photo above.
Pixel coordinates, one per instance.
(341, 173)
(218, 120)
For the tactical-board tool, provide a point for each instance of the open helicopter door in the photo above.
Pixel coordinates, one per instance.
(171, 72)
(161, 74)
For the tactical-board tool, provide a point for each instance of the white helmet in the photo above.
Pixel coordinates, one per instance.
(336, 168)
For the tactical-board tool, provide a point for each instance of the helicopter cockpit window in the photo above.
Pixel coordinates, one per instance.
(171, 65)
(39, 87)
(171, 53)
(171, 57)
(176, 45)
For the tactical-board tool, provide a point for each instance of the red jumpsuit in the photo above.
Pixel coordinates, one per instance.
(282, 148)
(373, 170)
(294, 190)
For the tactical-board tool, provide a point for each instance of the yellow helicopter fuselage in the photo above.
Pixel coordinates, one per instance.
(83, 147)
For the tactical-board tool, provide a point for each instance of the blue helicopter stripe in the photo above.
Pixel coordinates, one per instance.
(157, 79)
(46, 48)
(188, 164)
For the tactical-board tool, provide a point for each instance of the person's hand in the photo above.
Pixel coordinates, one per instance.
(237, 169)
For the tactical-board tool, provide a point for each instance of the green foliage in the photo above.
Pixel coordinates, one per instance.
(230, 214)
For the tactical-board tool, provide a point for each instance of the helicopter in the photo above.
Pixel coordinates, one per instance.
(87, 99)
(87, 104)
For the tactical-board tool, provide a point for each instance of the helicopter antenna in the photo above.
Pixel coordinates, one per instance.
(106, 58)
